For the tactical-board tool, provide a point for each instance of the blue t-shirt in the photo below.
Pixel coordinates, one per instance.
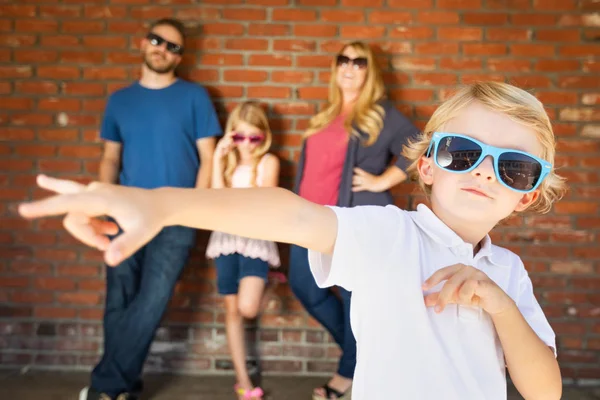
(158, 130)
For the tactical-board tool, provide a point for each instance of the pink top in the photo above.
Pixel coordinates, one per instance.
(221, 243)
(325, 157)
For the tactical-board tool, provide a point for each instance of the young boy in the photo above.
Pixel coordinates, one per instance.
(437, 310)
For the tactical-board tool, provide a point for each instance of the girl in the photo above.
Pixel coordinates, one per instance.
(242, 161)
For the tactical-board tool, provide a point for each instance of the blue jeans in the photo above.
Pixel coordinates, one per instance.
(137, 293)
(232, 268)
(330, 310)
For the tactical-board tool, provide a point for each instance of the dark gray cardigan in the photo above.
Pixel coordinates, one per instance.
(374, 159)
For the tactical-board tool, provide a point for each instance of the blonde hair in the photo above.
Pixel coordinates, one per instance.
(515, 103)
(251, 113)
(367, 116)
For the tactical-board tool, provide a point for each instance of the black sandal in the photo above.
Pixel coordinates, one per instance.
(331, 391)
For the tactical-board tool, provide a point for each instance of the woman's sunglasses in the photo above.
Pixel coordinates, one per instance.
(156, 40)
(517, 170)
(239, 138)
(344, 61)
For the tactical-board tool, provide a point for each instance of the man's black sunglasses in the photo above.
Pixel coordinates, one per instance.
(156, 40)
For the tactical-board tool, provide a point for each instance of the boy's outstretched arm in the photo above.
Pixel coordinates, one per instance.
(531, 363)
(266, 213)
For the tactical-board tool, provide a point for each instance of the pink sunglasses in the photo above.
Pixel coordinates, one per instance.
(239, 138)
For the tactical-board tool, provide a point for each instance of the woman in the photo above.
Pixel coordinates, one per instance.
(346, 161)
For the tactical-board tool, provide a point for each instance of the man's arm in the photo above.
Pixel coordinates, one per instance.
(110, 165)
(206, 150)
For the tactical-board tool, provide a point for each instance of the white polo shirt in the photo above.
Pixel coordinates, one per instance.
(404, 349)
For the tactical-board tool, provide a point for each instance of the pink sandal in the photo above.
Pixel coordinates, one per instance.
(256, 393)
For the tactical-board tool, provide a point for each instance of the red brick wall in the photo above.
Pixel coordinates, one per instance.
(59, 60)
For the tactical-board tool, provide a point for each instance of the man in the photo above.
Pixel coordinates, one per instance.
(159, 131)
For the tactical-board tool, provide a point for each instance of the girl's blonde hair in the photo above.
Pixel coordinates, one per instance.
(253, 114)
(515, 103)
(367, 116)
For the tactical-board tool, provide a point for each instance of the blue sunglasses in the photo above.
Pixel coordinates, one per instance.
(517, 170)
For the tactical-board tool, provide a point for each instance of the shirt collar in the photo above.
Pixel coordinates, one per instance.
(441, 233)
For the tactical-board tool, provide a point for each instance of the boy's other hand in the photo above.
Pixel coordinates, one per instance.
(134, 209)
(466, 285)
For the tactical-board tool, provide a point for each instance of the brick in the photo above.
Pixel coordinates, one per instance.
(89, 299)
(576, 207)
(292, 76)
(460, 63)
(207, 75)
(107, 42)
(459, 4)
(80, 151)
(434, 78)
(104, 12)
(60, 11)
(268, 29)
(313, 93)
(418, 32)
(580, 50)
(580, 114)
(414, 63)
(276, 60)
(509, 65)
(82, 57)
(467, 79)
(362, 32)
(59, 104)
(424, 4)
(389, 17)
(558, 35)
(315, 30)
(484, 18)
(555, 5)
(531, 81)
(507, 34)
(58, 134)
(77, 27)
(293, 15)
(245, 76)
(228, 29)
(36, 87)
(105, 73)
(459, 33)
(247, 44)
(294, 45)
(17, 10)
(436, 48)
(14, 281)
(36, 26)
(437, 17)
(590, 99)
(558, 65)
(32, 297)
(151, 12)
(77, 270)
(16, 103)
(534, 19)
(36, 150)
(484, 49)
(317, 2)
(578, 82)
(35, 56)
(557, 97)
(225, 91)
(271, 92)
(83, 89)
(412, 95)
(60, 41)
(16, 40)
(54, 312)
(245, 14)
(532, 50)
(268, 2)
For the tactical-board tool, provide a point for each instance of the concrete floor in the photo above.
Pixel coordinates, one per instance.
(66, 386)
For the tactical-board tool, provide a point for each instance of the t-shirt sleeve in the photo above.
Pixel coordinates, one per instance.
(110, 128)
(365, 236)
(532, 312)
(207, 122)
(402, 131)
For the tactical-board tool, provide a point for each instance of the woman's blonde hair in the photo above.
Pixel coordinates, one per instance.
(366, 116)
(253, 114)
(515, 103)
